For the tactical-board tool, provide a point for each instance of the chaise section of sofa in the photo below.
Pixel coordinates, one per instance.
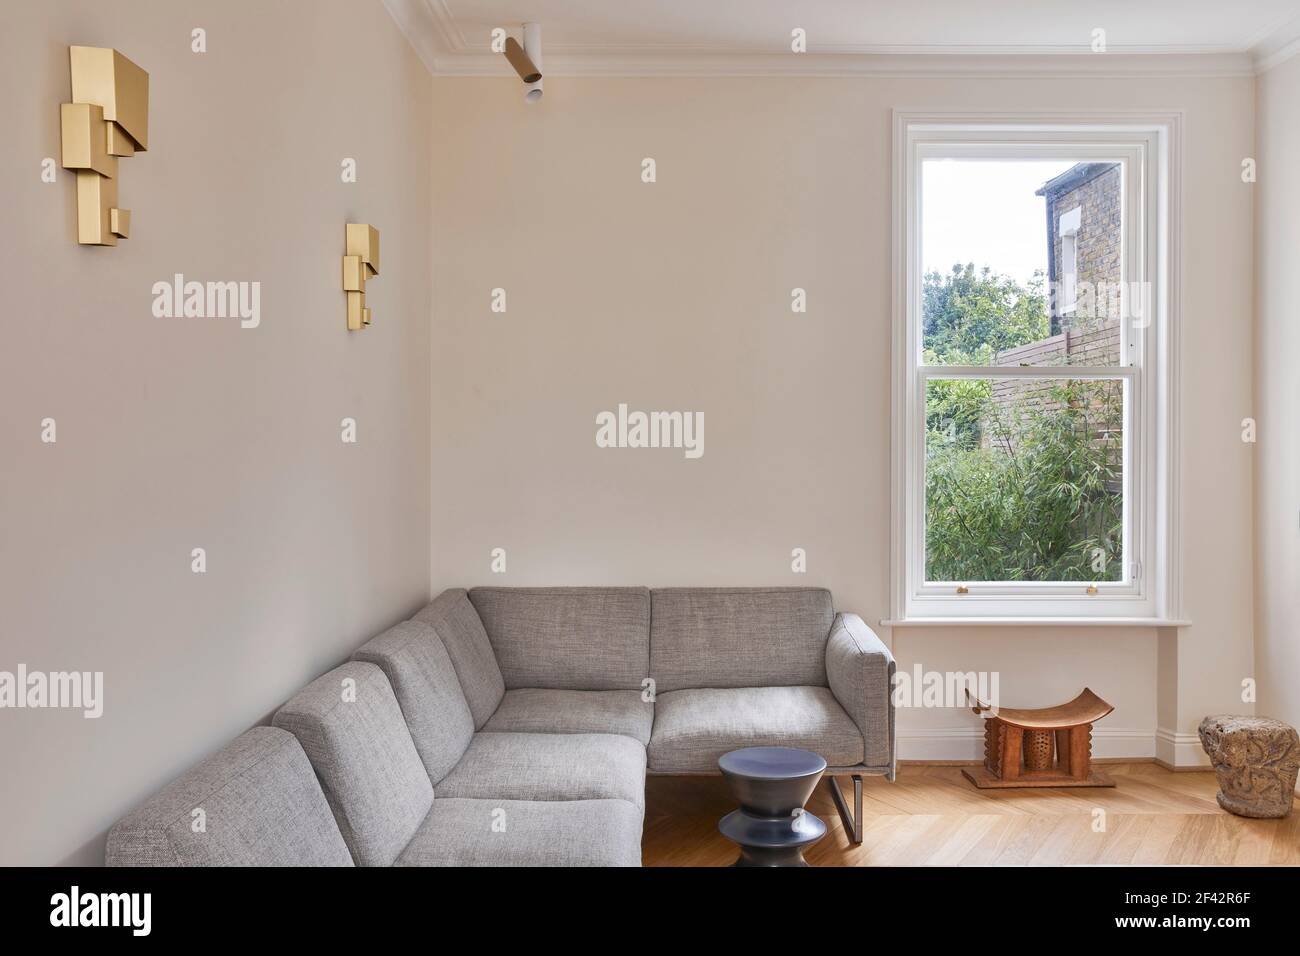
(750, 667)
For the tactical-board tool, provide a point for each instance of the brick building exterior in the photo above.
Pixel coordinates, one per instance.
(1085, 245)
(1084, 269)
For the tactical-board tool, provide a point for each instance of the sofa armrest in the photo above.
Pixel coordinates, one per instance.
(860, 671)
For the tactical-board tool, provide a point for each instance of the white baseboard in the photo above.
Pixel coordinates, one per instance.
(967, 743)
(1179, 750)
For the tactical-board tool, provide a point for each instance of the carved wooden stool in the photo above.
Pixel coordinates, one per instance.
(1048, 747)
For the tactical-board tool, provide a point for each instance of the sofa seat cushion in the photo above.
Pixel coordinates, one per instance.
(460, 832)
(510, 766)
(535, 709)
(693, 728)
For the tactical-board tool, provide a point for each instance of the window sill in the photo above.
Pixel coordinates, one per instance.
(1036, 622)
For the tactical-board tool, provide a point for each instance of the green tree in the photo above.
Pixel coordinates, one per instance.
(1025, 486)
(1039, 500)
(969, 317)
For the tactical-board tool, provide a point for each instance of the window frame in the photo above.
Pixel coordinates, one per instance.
(1148, 148)
(1070, 259)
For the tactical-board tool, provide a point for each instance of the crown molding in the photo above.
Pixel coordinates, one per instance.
(1278, 46)
(452, 37)
(1021, 65)
(432, 31)
(421, 29)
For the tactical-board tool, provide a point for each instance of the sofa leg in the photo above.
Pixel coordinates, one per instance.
(853, 821)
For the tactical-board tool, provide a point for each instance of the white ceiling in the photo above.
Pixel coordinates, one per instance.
(598, 35)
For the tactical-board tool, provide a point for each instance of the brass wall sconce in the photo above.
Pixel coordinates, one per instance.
(108, 118)
(361, 262)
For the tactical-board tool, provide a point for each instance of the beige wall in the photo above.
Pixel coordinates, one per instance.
(1277, 394)
(183, 433)
(675, 296)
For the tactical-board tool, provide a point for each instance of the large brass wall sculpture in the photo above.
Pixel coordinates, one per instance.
(360, 263)
(108, 118)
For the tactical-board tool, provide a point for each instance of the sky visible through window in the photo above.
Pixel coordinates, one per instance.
(985, 212)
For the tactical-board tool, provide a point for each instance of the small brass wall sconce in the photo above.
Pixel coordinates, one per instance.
(361, 262)
(107, 119)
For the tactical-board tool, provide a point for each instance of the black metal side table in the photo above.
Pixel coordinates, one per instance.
(772, 785)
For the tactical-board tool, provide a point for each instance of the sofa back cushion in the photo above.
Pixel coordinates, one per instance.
(424, 681)
(351, 727)
(738, 637)
(259, 804)
(568, 638)
(453, 617)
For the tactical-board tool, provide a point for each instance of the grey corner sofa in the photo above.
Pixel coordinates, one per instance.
(516, 726)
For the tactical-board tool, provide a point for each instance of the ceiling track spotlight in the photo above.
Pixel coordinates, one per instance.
(527, 60)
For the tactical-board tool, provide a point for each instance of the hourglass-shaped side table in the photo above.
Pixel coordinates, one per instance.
(772, 785)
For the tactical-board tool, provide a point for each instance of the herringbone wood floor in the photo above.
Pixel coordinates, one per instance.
(931, 816)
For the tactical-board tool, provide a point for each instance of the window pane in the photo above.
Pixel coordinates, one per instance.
(1022, 262)
(1024, 480)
